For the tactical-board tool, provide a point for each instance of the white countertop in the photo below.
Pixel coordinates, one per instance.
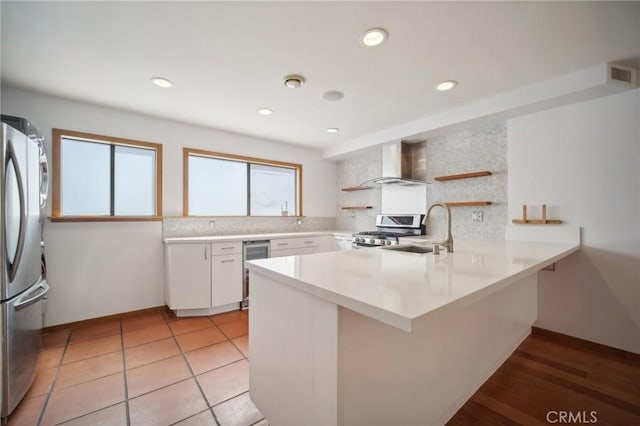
(398, 287)
(248, 237)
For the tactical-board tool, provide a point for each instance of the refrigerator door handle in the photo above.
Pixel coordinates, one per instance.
(13, 264)
(44, 176)
(31, 297)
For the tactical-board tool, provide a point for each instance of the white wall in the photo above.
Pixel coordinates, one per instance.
(97, 269)
(583, 161)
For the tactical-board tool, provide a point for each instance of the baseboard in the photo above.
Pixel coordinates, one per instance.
(621, 354)
(99, 320)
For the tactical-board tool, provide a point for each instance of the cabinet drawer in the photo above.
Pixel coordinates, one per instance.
(293, 252)
(294, 243)
(226, 248)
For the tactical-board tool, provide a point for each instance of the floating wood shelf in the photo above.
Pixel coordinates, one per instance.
(543, 221)
(468, 203)
(355, 188)
(357, 208)
(463, 176)
(537, 221)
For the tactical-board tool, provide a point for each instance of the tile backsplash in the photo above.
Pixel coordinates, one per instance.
(476, 149)
(352, 172)
(209, 226)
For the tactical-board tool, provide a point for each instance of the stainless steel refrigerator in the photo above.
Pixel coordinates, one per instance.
(23, 288)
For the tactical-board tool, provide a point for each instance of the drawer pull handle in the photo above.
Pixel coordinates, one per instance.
(308, 242)
(283, 244)
(227, 261)
(226, 248)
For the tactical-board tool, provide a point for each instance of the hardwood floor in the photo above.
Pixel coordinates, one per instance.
(552, 378)
(132, 369)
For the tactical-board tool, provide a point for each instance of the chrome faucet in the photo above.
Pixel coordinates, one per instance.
(448, 243)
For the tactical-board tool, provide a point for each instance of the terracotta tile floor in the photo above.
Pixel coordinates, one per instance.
(148, 369)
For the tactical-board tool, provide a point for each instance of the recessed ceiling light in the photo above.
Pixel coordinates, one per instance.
(333, 130)
(293, 81)
(333, 95)
(265, 111)
(445, 85)
(161, 82)
(373, 37)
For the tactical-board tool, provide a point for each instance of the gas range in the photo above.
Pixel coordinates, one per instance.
(389, 228)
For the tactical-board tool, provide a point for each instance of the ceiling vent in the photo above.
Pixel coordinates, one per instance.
(620, 74)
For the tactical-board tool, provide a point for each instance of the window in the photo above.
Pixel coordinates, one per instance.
(217, 184)
(104, 178)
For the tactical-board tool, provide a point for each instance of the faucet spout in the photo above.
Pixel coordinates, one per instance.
(448, 243)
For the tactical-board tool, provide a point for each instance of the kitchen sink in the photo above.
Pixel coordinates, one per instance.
(410, 248)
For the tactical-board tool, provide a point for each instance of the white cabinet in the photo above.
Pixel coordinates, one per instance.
(342, 242)
(203, 278)
(188, 275)
(291, 246)
(226, 248)
(226, 274)
(312, 244)
(293, 251)
(326, 243)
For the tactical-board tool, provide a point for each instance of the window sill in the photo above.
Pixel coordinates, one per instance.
(105, 218)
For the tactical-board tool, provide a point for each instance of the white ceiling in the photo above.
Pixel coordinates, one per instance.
(227, 59)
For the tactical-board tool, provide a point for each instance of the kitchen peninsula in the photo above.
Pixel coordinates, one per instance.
(377, 336)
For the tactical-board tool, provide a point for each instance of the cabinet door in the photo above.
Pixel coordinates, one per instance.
(343, 243)
(188, 276)
(226, 279)
(327, 243)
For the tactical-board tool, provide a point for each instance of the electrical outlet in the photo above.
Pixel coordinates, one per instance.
(476, 216)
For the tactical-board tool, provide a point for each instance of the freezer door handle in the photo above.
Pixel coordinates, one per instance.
(31, 297)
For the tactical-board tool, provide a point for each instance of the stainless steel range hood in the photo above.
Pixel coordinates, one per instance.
(403, 163)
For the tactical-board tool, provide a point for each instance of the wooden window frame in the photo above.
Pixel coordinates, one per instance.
(186, 152)
(56, 172)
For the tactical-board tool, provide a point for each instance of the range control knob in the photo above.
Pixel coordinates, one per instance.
(388, 242)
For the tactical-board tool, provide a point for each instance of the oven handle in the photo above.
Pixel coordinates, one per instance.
(362, 245)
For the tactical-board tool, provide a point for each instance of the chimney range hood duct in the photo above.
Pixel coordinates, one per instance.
(403, 163)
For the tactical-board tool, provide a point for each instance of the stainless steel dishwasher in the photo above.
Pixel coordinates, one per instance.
(260, 249)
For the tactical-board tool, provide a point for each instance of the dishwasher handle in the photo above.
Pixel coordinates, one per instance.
(259, 249)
